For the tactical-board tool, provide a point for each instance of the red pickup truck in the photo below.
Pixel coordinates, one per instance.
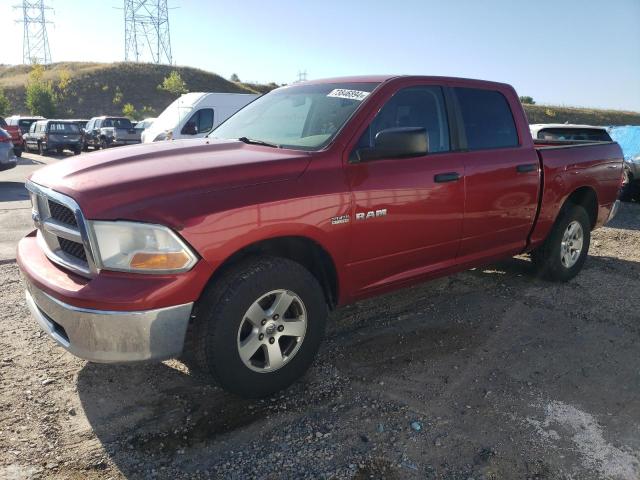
(231, 249)
(16, 137)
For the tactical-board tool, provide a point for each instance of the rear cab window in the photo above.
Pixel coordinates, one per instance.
(569, 134)
(487, 119)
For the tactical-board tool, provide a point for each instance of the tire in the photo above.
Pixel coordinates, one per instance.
(555, 262)
(222, 326)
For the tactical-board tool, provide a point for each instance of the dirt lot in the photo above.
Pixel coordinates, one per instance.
(490, 374)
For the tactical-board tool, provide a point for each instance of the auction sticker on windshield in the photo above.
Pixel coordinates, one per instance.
(349, 94)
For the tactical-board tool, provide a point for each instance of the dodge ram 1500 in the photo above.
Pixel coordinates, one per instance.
(231, 249)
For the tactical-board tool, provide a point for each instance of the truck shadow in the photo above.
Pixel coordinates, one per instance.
(13, 191)
(157, 414)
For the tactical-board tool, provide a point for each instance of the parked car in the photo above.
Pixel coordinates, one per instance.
(569, 132)
(22, 122)
(105, 132)
(54, 135)
(16, 136)
(7, 154)
(628, 136)
(231, 249)
(194, 115)
(142, 125)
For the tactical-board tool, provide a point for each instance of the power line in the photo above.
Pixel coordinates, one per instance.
(302, 76)
(146, 31)
(35, 42)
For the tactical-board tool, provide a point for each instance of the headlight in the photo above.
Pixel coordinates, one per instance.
(140, 247)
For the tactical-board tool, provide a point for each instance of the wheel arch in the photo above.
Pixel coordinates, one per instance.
(587, 198)
(303, 250)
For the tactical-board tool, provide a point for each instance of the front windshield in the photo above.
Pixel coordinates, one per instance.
(305, 117)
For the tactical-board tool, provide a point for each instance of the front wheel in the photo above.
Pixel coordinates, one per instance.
(258, 328)
(565, 250)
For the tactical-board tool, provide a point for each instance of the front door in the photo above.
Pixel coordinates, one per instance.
(407, 212)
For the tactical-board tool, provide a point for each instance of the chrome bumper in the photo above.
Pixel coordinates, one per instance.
(614, 211)
(111, 336)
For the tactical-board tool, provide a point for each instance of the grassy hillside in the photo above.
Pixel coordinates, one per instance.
(587, 116)
(103, 88)
(99, 88)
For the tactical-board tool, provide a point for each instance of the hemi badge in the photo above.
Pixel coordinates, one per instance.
(340, 219)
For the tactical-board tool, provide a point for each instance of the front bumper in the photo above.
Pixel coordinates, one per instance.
(117, 143)
(111, 336)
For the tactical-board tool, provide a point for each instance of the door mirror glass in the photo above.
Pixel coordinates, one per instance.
(398, 142)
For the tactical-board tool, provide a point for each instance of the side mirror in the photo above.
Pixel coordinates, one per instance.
(397, 143)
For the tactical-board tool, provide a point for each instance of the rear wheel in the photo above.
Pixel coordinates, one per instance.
(565, 250)
(258, 328)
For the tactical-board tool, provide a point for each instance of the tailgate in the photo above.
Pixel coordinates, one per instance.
(127, 134)
(64, 137)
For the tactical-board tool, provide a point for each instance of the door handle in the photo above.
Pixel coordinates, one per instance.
(446, 177)
(527, 167)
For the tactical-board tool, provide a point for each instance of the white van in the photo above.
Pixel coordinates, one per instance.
(194, 115)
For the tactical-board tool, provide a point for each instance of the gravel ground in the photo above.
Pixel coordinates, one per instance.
(488, 374)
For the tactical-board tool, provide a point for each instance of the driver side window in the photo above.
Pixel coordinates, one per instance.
(413, 107)
(200, 122)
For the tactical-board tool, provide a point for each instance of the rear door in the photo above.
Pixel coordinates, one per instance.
(502, 174)
(407, 215)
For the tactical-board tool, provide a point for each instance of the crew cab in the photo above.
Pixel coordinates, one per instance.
(54, 135)
(16, 136)
(104, 132)
(230, 250)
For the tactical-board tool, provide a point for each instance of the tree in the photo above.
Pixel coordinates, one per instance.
(4, 104)
(40, 95)
(234, 78)
(146, 112)
(174, 84)
(129, 111)
(527, 100)
(117, 96)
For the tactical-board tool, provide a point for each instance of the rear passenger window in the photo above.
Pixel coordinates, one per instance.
(487, 119)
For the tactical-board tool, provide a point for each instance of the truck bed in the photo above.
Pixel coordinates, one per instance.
(571, 165)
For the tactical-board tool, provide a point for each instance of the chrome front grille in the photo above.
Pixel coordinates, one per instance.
(62, 230)
(62, 214)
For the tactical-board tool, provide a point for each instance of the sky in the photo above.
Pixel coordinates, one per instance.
(566, 52)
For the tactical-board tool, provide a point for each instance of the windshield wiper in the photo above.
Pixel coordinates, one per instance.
(252, 141)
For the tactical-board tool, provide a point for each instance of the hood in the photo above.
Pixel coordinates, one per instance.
(108, 183)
